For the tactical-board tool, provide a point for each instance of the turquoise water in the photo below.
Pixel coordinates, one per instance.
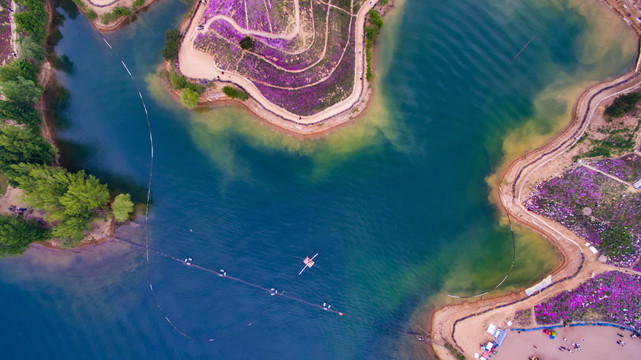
(396, 204)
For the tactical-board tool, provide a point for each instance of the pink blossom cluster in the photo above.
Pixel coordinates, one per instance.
(627, 168)
(611, 296)
(589, 203)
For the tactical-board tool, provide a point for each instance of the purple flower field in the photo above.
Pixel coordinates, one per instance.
(596, 208)
(612, 296)
(627, 168)
(5, 32)
(303, 75)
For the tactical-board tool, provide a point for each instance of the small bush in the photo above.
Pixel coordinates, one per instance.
(189, 98)
(235, 93)
(116, 14)
(91, 15)
(122, 207)
(246, 43)
(177, 81)
(457, 354)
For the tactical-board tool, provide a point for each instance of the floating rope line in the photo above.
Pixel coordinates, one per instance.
(146, 247)
(506, 275)
(523, 48)
(221, 273)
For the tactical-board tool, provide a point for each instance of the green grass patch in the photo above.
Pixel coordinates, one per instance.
(3, 185)
(617, 141)
(116, 14)
(457, 354)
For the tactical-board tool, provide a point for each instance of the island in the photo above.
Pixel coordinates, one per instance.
(582, 191)
(301, 65)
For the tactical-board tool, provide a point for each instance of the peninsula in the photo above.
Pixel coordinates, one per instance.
(303, 64)
(582, 191)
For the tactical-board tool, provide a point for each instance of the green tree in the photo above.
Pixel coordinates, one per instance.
(33, 19)
(122, 207)
(16, 234)
(375, 18)
(71, 230)
(172, 45)
(189, 98)
(235, 93)
(91, 15)
(177, 81)
(18, 68)
(60, 193)
(32, 49)
(23, 145)
(21, 90)
(20, 112)
(246, 43)
(43, 186)
(70, 199)
(623, 104)
(84, 194)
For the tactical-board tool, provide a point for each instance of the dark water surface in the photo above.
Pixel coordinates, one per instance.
(396, 204)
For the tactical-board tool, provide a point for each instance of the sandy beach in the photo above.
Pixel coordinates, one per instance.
(595, 342)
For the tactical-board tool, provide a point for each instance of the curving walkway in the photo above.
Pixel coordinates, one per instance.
(461, 324)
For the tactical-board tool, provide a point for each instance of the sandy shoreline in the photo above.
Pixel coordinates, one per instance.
(462, 324)
(197, 65)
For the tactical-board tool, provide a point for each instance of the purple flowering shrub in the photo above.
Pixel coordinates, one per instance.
(627, 168)
(596, 208)
(309, 100)
(612, 297)
(270, 16)
(5, 31)
(523, 317)
(305, 74)
(225, 55)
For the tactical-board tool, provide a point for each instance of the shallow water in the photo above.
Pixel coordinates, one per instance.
(396, 204)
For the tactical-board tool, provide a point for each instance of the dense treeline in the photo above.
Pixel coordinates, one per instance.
(172, 45)
(372, 31)
(623, 104)
(69, 201)
(33, 19)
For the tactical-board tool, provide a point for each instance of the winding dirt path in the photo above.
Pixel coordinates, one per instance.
(266, 35)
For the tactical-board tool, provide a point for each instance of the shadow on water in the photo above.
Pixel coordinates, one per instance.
(74, 154)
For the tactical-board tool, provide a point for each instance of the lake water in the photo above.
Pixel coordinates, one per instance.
(397, 204)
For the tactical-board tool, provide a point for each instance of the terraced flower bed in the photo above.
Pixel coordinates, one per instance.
(595, 207)
(303, 66)
(612, 296)
(627, 168)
